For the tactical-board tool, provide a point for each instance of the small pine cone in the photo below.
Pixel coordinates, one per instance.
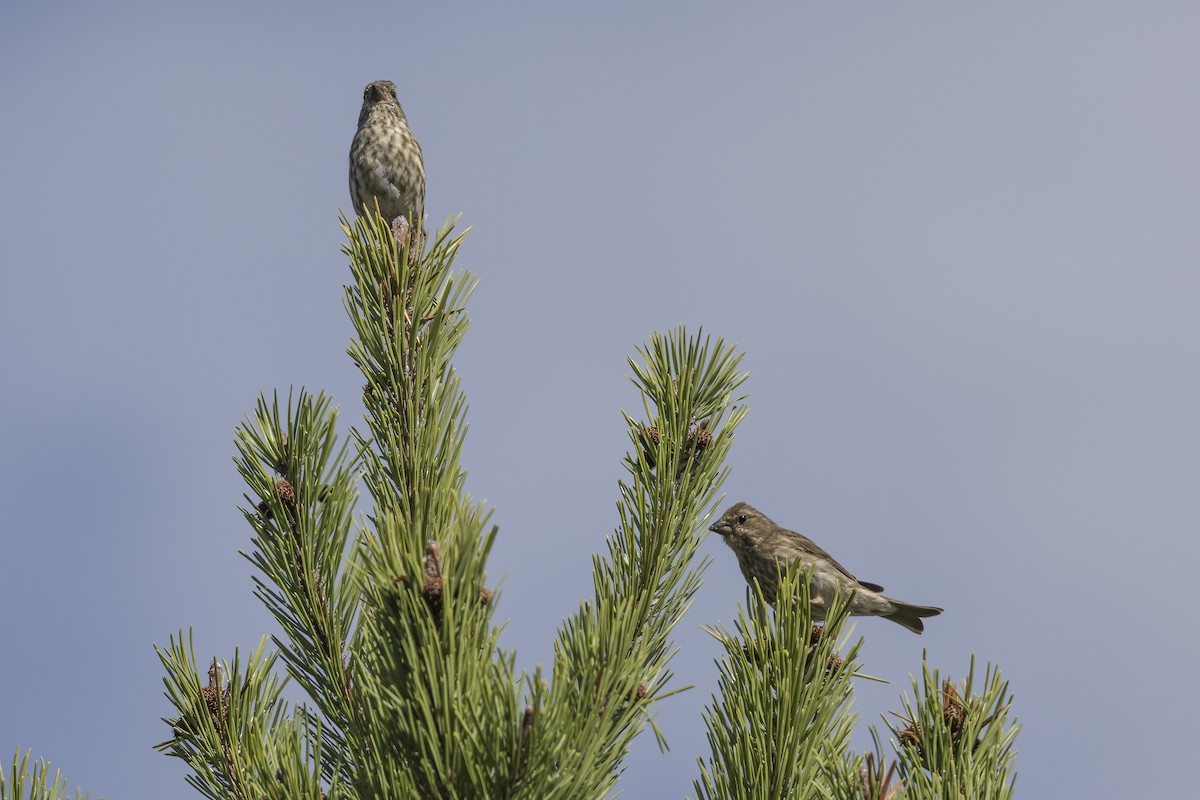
(434, 598)
(285, 492)
(699, 438)
(953, 711)
(649, 437)
(213, 697)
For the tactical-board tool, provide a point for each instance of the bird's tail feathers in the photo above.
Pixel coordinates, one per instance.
(910, 615)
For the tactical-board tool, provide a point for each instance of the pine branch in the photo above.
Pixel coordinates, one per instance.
(235, 732)
(781, 724)
(439, 713)
(953, 742)
(305, 486)
(611, 656)
(28, 781)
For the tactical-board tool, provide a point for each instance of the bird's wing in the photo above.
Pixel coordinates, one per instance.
(816, 550)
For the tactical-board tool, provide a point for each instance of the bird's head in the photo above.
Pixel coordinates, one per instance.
(379, 91)
(742, 526)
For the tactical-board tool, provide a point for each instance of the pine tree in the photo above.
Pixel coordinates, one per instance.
(388, 625)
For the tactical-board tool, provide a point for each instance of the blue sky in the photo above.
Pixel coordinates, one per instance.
(959, 245)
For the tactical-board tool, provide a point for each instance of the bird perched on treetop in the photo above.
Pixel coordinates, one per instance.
(764, 551)
(385, 159)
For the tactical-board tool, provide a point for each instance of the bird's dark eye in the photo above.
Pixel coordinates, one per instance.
(741, 519)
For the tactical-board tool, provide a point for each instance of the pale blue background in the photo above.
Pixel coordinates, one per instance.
(960, 244)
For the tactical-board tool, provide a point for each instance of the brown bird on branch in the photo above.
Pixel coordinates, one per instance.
(385, 159)
(764, 551)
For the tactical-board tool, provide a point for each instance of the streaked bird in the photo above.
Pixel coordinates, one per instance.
(764, 551)
(385, 159)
